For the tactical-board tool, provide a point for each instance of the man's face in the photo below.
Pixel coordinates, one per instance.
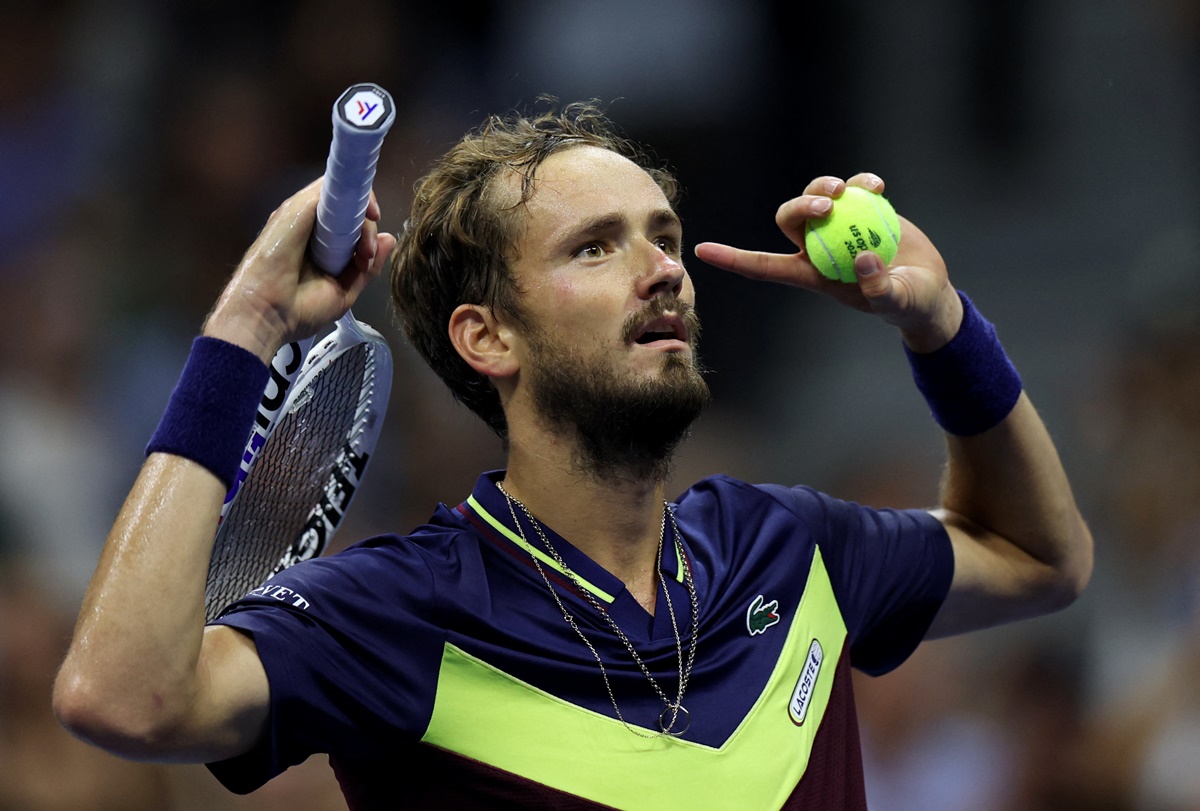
(611, 351)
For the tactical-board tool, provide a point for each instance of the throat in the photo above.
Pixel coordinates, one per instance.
(646, 594)
(635, 565)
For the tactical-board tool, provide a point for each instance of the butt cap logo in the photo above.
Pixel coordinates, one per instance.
(365, 107)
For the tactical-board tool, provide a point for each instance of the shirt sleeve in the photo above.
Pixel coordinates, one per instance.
(890, 570)
(351, 652)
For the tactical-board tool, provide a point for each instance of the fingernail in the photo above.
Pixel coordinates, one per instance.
(874, 181)
(868, 265)
(822, 205)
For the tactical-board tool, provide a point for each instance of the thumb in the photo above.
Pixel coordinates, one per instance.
(873, 279)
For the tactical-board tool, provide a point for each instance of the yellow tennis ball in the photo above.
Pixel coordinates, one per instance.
(860, 221)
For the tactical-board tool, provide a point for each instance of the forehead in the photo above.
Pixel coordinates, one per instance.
(582, 183)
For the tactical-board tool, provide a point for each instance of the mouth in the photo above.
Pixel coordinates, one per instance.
(665, 328)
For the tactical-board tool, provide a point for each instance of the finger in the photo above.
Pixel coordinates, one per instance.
(361, 277)
(793, 269)
(374, 212)
(815, 203)
(383, 252)
(818, 200)
(793, 215)
(304, 198)
(867, 180)
(872, 276)
(284, 238)
(826, 186)
(888, 292)
(367, 247)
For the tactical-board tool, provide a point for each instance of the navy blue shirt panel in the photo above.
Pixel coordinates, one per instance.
(352, 643)
(890, 569)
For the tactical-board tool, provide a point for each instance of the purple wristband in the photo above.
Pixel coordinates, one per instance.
(969, 384)
(211, 411)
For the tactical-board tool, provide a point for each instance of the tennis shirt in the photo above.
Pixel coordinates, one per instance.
(438, 671)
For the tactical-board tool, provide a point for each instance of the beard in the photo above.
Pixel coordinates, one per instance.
(625, 427)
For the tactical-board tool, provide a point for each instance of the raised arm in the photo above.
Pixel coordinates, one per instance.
(1021, 547)
(143, 677)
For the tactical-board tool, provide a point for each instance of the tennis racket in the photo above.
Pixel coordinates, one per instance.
(322, 410)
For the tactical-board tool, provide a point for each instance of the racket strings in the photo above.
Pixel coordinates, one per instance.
(302, 481)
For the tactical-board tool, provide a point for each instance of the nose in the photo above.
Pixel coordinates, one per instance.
(661, 273)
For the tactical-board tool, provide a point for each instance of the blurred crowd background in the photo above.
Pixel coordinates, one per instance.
(1050, 149)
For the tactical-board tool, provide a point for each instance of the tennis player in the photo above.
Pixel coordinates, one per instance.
(565, 635)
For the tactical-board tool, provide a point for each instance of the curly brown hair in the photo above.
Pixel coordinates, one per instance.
(457, 245)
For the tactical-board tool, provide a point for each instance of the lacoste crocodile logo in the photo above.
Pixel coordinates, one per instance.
(761, 615)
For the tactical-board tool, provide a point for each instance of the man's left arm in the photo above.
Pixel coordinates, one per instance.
(1021, 547)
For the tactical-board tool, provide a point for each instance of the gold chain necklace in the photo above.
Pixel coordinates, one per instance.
(675, 710)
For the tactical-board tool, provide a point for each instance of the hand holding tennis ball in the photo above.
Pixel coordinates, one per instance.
(860, 221)
(906, 284)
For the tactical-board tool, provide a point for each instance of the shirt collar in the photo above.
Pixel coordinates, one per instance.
(488, 504)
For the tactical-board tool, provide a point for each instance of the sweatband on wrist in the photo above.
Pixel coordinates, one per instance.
(969, 384)
(211, 411)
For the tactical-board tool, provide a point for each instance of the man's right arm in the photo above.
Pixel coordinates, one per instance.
(143, 677)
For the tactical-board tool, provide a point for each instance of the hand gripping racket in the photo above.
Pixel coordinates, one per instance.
(312, 438)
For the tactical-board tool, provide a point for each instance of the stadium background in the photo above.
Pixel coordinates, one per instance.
(1050, 149)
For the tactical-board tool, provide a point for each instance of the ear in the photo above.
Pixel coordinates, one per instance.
(483, 341)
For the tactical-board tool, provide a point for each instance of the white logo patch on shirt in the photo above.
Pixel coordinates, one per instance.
(802, 695)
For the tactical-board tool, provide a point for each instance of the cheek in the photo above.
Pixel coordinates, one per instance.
(563, 292)
(559, 303)
(574, 307)
(570, 297)
(688, 293)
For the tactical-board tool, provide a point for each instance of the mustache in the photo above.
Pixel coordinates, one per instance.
(657, 307)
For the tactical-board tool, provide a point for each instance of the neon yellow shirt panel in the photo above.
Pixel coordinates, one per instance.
(487, 715)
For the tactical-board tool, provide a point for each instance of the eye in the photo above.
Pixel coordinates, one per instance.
(593, 250)
(668, 245)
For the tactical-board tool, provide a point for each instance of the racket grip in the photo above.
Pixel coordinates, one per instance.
(361, 118)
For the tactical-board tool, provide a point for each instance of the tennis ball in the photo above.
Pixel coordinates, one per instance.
(860, 221)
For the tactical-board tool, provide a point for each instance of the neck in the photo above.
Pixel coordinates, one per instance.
(616, 521)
